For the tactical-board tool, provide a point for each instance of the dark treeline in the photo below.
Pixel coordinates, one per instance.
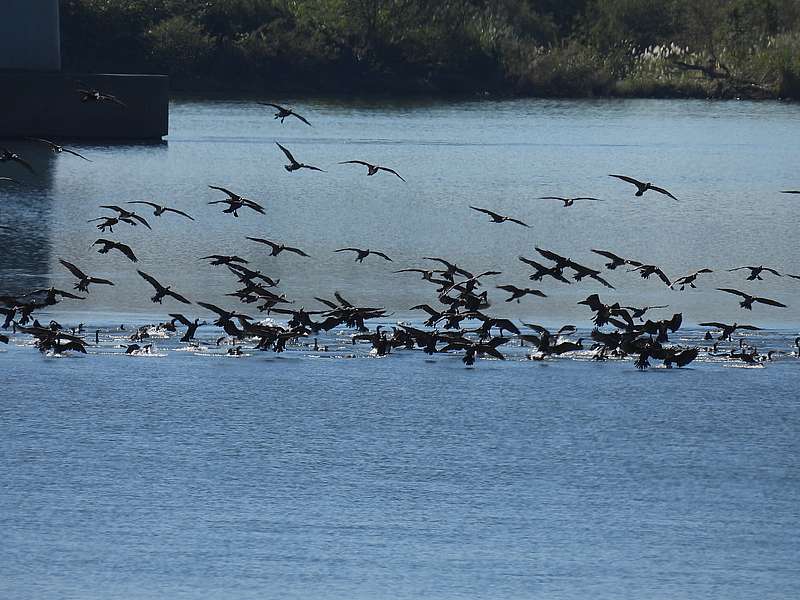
(720, 48)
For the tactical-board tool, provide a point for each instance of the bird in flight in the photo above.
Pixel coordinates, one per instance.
(790, 191)
(616, 261)
(371, 169)
(642, 187)
(727, 330)
(111, 245)
(284, 112)
(498, 218)
(58, 149)
(755, 272)
(159, 209)
(689, 279)
(277, 248)
(646, 270)
(236, 202)
(127, 216)
(293, 164)
(7, 155)
(89, 94)
(748, 300)
(224, 259)
(84, 280)
(569, 201)
(362, 254)
(161, 290)
(517, 293)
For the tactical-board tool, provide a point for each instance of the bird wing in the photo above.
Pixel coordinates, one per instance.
(769, 302)
(100, 281)
(601, 280)
(213, 308)
(151, 280)
(141, 220)
(748, 327)
(114, 207)
(313, 168)
(773, 271)
(663, 276)
(272, 245)
(553, 198)
(153, 204)
(295, 250)
(392, 171)
(68, 151)
(181, 319)
(512, 289)
(355, 162)
(177, 297)
(347, 249)
(663, 191)
(635, 182)
(180, 212)
(715, 324)
(517, 221)
(550, 255)
(486, 211)
(732, 291)
(126, 250)
(382, 255)
(738, 269)
(226, 191)
(73, 269)
(254, 205)
(327, 303)
(790, 191)
(288, 154)
(607, 254)
(23, 162)
(341, 300)
(276, 106)
(64, 294)
(303, 119)
(589, 198)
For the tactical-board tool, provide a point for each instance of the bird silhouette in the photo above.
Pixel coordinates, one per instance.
(497, 217)
(642, 187)
(371, 169)
(293, 164)
(284, 112)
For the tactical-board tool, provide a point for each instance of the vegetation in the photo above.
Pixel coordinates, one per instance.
(719, 48)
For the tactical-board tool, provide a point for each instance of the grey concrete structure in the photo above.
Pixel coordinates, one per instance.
(29, 35)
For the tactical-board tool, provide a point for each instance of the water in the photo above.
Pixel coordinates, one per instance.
(338, 474)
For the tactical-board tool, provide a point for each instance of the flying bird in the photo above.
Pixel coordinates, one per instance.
(689, 279)
(748, 300)
(293, 164)
(236, 202)
(284, 112)
(89, 94)
(58, 149)
(371, 169)
(362, 254)
(790, 192)
(7, 155)
(127, 216)
(223, 259)
(517, 293)
(84, 280)
(755, 272)
(498, 218)
(642, 187)
(569, 201)
(161, 290)
(277, 248)
(159, 209)
(728, 330)
(111, 245)
(616, 261)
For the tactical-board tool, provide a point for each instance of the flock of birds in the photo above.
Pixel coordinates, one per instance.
(458, 321)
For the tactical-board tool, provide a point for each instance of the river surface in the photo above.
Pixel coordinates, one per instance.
(329, 472)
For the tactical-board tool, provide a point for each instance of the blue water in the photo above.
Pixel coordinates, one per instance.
(333, 473)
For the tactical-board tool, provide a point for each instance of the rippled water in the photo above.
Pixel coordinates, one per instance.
(188, 473)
